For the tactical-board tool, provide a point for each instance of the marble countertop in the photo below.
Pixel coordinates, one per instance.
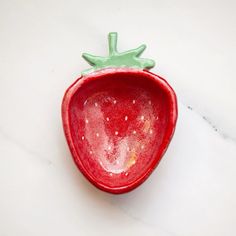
(193, 190)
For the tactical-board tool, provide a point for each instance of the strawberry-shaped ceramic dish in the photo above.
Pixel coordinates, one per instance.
(118, 119)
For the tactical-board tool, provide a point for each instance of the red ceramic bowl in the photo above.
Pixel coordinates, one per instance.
(118, 123)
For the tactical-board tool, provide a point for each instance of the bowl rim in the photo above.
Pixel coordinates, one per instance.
(161, 82)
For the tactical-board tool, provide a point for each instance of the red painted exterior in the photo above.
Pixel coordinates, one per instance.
(73, 112)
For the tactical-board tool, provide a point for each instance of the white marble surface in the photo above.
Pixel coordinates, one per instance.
(193, 190)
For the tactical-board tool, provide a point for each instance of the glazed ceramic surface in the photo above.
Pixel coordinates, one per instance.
(118, 123)
(118, 118)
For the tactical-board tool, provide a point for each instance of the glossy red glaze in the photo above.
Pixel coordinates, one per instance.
(118, 124)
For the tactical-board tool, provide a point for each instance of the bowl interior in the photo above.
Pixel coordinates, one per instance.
(118, 123)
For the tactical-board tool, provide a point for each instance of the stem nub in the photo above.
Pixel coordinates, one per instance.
(112, 41)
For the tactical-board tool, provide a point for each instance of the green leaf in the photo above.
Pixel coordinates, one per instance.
(115, 59)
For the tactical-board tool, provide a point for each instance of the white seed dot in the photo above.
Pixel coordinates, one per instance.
(109, 147)
(117, 162)
(97, 134)
(151, 131)
(86, 121)
(107, 119)
(100, 162)
(142, 146)
(110, 174)
(127, 148)
(126, 174)
(157, 118)
(90, 152)
(149, 102)
(114, 102)
(134, 101)
(82, 137)
(126, 118)
(142, 117)
(116, 133)
(134, 132)
(95, 104)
